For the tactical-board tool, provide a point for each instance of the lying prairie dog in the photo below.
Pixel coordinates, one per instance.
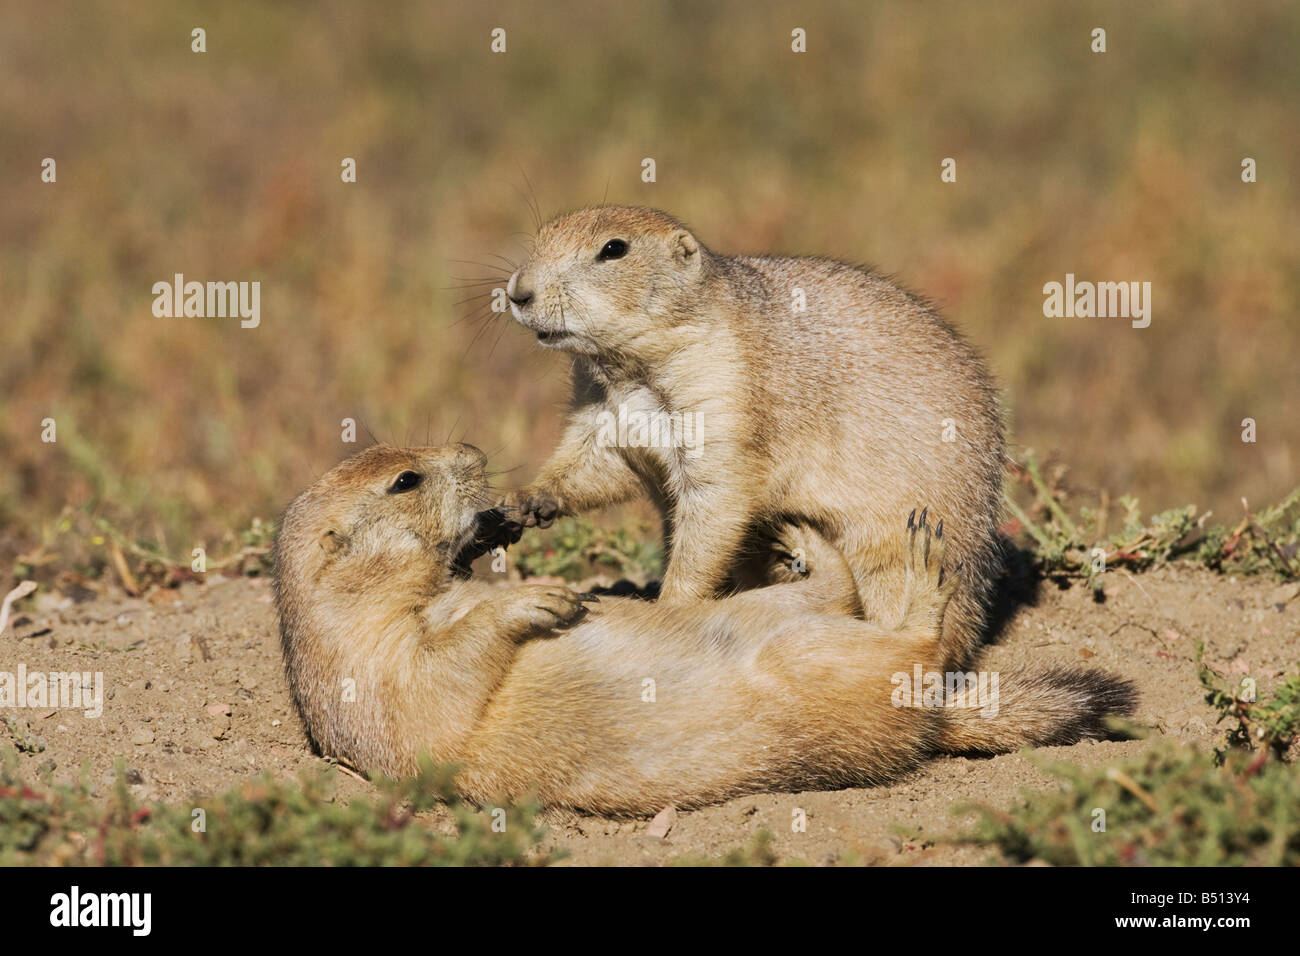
(616, 706)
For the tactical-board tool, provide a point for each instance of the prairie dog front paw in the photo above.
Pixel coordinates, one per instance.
(534, 608)
(531, 507)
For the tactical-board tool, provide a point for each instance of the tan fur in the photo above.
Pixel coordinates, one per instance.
(832, 417)
(776, 688)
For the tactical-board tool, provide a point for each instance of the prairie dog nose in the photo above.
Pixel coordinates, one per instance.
(519, 291)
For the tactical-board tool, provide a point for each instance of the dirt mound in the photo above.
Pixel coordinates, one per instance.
(194, 699)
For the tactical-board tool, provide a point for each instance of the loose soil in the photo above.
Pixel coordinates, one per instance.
(195, 701)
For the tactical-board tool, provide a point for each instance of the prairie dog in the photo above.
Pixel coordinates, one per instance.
(532, 689)
(818, 393)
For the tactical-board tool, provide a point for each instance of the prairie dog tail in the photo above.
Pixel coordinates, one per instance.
(1034, 708)
(999, 712)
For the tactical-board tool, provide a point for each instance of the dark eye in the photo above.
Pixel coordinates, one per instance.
(614, 249)
(404, 482)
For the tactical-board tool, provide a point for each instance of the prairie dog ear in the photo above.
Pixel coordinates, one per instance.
(686, 250)
(332, 542)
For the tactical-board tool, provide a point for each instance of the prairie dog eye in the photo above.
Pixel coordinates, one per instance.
(404, 482)
(614, 249)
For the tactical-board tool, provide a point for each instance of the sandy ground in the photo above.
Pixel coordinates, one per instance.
(195, 700)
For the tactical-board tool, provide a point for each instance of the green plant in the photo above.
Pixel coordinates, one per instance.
(757, 852)
(260, 823)
(1270, 727)
(1174, 805)
(576, 548)
(24, 738)
(1081, 546)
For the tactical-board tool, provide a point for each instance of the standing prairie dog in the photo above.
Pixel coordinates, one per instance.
(807, 391)
(629, 706)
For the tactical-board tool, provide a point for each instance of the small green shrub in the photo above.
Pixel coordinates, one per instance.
(1270, 726)
(757, 852)
(1174, 805)
(1171, 807)
(260, 823)
(1083, 546)
(575, 548)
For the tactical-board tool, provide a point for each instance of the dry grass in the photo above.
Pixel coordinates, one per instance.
(225, 166)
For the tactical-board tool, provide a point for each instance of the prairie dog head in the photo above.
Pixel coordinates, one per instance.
(384, 518)
(608, 280)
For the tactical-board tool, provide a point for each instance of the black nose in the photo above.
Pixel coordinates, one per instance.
(521, 296)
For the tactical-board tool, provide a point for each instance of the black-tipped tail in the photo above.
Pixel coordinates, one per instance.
(1034, 708)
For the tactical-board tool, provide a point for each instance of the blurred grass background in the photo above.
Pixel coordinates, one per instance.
(225, 166)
